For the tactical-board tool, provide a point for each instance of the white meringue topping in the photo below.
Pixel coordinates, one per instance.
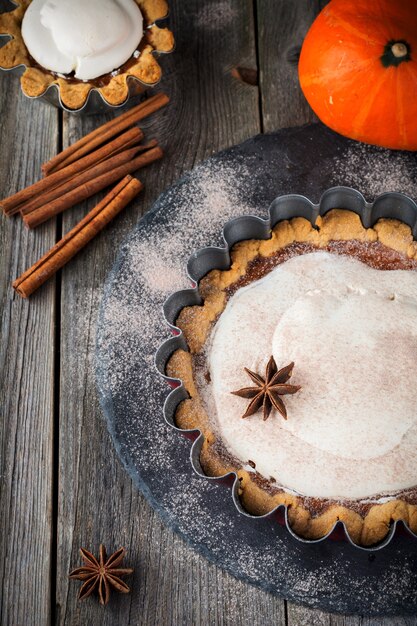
(88, 37)
(352, 332)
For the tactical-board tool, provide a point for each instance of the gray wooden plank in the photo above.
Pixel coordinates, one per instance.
(172, 585)
(282, 25)
(28, 131)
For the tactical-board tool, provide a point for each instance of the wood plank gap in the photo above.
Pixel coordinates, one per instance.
(258, 65)
(286, 612)
(60, 147)
(56, 406)
(55, 439)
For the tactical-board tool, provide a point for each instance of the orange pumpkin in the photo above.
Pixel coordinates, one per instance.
(358, 70)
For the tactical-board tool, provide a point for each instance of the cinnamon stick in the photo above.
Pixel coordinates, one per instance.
(73, 182)
(78, 237)
(13, 204)
(89, 188)
(104, 133)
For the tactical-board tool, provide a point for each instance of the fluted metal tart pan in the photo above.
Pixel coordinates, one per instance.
(389, 205)
(95, 102)
(330, 574)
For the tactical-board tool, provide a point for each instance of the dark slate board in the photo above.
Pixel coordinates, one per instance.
(329, 575)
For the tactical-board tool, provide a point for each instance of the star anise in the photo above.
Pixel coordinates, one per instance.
(101, 574)
(268, 390)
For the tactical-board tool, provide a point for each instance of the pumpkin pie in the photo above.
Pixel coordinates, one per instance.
(80, 46)
(300, 374)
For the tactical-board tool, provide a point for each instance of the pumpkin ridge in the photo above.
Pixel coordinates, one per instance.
(366, 105)
(402, 98)
(402, 22)
(382, 16)
(318, 76)
(411, 72)
(351, 30)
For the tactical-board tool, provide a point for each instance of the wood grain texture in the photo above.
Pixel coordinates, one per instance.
(282, 25)
(95, 500)
(209, 110)
(28, 132)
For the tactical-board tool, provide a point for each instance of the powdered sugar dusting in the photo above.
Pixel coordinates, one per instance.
(375, 170)
(131, 327)
(158, 261)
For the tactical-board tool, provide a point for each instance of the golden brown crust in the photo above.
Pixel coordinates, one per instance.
(196, 322)
(153, 10)
(73, 94)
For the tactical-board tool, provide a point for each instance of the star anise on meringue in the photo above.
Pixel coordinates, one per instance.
(267, 391)
(101, 574)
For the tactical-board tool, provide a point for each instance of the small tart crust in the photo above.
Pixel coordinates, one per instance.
(74, 93)
(196, 322)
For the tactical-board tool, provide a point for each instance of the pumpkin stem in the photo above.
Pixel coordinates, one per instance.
(399, 49)
(395, 53)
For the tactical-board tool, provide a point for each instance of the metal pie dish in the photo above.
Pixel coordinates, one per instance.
(391, 205)
(95, 102)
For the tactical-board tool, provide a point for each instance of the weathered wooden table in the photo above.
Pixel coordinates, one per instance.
(62, 485)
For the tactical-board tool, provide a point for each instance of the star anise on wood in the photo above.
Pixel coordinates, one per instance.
(101, 574)
(267, 392)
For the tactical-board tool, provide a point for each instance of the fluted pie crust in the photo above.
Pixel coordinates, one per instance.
(310, 518)
(74, 93)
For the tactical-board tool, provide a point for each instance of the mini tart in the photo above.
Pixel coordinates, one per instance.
(388, 245)
(74, 93)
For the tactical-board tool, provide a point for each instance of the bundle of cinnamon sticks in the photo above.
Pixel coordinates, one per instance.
(108, 155)
(78, 237)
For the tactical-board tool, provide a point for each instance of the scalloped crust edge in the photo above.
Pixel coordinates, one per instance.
(35, 82)
(196, 322)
